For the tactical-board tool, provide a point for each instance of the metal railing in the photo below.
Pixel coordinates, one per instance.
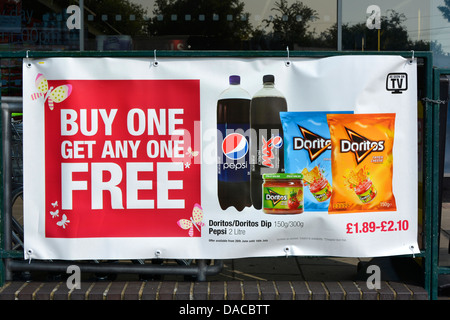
(438, 153)
(12, 260)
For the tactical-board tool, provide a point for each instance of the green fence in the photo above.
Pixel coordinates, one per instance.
(429, 187)
(436, 155)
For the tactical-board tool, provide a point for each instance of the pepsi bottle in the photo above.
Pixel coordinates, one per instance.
(233, 167)
(266, 139)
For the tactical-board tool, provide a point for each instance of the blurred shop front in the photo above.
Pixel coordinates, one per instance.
(308, 25)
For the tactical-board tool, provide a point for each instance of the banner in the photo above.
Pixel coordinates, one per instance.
(218, 158)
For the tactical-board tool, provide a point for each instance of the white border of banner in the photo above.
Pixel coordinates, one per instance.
(356, 83)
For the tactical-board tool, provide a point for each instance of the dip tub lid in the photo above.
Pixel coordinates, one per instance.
(282, 176)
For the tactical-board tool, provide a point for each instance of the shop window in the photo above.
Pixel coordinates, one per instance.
(224, 25)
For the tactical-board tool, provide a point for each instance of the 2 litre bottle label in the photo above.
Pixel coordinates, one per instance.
(233, 155)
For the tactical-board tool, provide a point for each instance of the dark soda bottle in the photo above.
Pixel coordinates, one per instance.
(233, 169)
(266, 138)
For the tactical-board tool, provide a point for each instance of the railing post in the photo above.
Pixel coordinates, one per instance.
(8, 105)
(2, 213)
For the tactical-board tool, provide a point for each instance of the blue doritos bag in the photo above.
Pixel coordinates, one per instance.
(307, 150)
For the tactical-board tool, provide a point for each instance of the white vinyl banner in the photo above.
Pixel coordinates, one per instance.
(218, 158)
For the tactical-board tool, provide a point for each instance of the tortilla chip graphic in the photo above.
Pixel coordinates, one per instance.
(318, 185)
(354, 179)
(362, 162)
(311, 176)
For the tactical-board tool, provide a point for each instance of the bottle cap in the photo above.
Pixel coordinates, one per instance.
(235, 79)
(268, 78)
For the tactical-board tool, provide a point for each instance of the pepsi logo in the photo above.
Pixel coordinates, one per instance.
(235, 146)
(277, 142)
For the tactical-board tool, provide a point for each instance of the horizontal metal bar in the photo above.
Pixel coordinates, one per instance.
(206, 53)
(11, 254)
(12, 104)
(443, 270)
(108, 267)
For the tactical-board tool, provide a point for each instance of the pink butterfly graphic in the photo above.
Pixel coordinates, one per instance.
(194, 221)
(57, 94)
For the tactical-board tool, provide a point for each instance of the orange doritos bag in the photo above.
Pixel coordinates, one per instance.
(362, 162)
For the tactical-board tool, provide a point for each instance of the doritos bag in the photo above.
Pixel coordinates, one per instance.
(362, 162)
(308, 151)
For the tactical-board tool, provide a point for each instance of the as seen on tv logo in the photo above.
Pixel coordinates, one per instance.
(397, 82)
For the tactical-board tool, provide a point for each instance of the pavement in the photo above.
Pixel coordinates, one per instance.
(270, 278)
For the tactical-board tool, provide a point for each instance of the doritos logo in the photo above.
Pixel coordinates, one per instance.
(312, 142)
(360, 145)
(275, 197)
